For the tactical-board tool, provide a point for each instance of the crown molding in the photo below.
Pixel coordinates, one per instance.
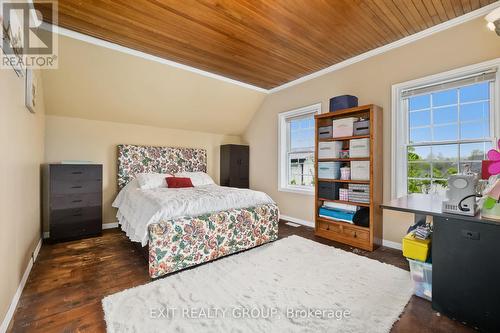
(401, 42)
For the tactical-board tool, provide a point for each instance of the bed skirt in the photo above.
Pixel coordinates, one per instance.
(184, 242)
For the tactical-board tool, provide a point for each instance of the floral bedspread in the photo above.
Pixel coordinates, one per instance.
(188, 241)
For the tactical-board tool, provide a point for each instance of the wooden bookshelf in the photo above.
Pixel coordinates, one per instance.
(366, 238)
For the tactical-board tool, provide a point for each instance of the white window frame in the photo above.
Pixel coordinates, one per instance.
(399, 135)
(283, 169)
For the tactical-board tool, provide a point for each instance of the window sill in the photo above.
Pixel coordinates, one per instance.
(297, 190)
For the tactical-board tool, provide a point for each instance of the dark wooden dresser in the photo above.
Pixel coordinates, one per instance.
(73, 200)
(234, 165)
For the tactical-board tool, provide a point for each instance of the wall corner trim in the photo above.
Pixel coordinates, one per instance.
(15, 299)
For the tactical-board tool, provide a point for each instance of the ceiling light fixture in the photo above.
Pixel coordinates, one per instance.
(493, 19)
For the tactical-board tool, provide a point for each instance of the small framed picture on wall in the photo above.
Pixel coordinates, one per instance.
(31, 90)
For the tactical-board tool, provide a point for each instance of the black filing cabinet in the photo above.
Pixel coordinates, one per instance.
(73, 200)
(466, 271)
(234, 165)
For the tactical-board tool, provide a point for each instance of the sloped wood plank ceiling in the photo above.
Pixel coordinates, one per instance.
(265, 43)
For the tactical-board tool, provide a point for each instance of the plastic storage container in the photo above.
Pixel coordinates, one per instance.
(325, 132)
(343, 127)
(414, 248)
(329, 149)
(421, 274)
(362, 127)
(329, 170)
(359, 148)
(359, 193)
(360, 170)
(343, 102)
(328, 190)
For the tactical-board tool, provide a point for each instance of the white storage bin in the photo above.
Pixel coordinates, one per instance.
(329, 149)
(421, 274)
(360, 170)
(343, 127)
(328, 170)
(359, 148)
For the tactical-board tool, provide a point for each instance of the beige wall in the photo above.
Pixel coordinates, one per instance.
(21, 148)
(79, 139)
(93, 82)
(371, 81)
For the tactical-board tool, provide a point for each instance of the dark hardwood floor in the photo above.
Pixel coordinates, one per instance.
(68, 281)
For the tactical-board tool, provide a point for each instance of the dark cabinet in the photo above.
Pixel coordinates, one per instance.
(234, 166)
(465, 271)
(73, 200)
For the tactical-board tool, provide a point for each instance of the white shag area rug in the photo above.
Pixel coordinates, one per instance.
(291, 285)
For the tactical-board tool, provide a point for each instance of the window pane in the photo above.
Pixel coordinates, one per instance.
(420, 118)
(445, 153)
(301, 170)
(302, 134)
(420, 102)
(444, 169)
(446, 133)
(475, 111)
(474, 151)
(419, 169)
(445, 115)
(417, 186)
(475, 92)
(446, 97)
(420, 134)
(475, 167)
(475, 130)
(419, 153)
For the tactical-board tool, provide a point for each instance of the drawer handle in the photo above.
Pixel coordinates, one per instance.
(355, 235)
(77, 200)
(77, 172)
(79, 214)
(76, 187)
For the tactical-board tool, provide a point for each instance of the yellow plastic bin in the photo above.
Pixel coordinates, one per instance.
(414, 248)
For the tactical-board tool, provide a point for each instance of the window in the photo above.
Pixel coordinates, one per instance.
(296, 149)
(444, 128)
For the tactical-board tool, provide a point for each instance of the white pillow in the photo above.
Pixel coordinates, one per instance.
(197, 178)
(149, 181)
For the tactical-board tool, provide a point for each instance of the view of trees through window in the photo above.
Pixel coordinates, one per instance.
(447, 130)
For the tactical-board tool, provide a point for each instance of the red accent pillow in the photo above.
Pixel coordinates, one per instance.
(179, 182)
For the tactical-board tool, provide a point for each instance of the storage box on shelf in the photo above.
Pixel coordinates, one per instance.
(364, 188)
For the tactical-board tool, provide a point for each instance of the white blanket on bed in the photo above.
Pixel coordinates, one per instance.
(138, 208)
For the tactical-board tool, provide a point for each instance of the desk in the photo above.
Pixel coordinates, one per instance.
(465, 262)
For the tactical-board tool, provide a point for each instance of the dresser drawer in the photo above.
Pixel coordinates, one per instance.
(356, 233)
(76, 172)
(330, 227)
(72, 230)
(76, 187)
(76, 201)
(75, 215)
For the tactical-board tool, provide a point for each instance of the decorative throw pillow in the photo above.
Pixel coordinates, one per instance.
(197, 178)
(179, 182)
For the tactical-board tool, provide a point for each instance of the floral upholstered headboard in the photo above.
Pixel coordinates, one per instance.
(142, 159)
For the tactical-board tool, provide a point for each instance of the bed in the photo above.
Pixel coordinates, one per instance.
(187, 226)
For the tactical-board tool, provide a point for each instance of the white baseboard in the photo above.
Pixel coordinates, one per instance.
(13, 304)
(392, 245)
(109, 225)
(298, 221)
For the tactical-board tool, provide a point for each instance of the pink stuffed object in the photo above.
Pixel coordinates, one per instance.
(494, 157)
